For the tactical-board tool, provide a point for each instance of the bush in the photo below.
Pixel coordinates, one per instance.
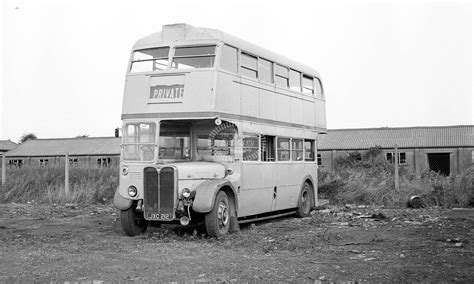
(46, 185)
(369, 179)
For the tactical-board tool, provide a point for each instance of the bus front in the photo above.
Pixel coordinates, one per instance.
(168, 149)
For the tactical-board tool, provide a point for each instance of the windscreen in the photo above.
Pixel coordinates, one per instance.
(174, 141)
(139, 142)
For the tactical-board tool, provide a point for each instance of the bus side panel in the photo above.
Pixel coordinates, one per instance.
(255, 195)
(309, 117)
(228, 93)
(249, 98)
(282, 108)
(320, 112)
(267, 104)
(296, 110)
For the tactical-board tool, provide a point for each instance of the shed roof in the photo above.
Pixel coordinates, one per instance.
(7, 145)
(73, 146)
(404, 137)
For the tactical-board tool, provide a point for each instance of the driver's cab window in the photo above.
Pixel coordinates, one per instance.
(174, 141)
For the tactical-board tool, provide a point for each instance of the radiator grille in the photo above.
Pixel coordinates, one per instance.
(150, 190)
(167, 190)
(159, 193)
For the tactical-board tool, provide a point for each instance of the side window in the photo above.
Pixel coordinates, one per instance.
(308, 85)
(229, 58)
(267, 146)
(295, 81)
(309, 150)
(265, 70)
(283, 149)
(281, 76)
(318, 87)
(250, 147)
(297, 149)
(249, 66)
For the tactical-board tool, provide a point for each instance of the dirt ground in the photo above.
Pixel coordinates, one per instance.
(73, 243)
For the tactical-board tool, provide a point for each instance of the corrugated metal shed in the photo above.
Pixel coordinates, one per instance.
(95, 146)
(404, 137)
(7, 145)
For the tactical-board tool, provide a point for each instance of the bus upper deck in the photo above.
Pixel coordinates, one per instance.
(189, 73)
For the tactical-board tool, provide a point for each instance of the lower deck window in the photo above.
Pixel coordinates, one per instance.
(250, 147)
(267, 144)
(283, 149)
(309, 150)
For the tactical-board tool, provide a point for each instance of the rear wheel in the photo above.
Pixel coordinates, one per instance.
(304, 202)
(217, 221)
(133, 223)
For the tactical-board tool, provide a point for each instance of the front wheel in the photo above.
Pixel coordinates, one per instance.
(133, 223)
(304, 202)
(217, 221)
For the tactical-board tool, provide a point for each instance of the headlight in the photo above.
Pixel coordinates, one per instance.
(186, 192)
(124, 171)
(132, 191)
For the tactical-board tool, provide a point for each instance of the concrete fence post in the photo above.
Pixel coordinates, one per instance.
(66, 175)
(4, 169)
(397, 181)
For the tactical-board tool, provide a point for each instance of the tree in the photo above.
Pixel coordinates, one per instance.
(28, 136)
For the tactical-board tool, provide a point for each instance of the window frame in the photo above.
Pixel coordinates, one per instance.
(276, 76)
(392, 157)
(172, 56)
(258, 147)
(152, 59)
(248, 68)
(279, 150)
(313, 150)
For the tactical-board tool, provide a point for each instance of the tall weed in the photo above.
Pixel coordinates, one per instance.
(46, 184)
(369, 179)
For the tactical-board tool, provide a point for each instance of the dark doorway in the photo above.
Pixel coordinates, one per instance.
(439, 162)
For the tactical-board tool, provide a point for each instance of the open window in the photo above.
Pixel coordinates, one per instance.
(191, 57)
(150, 59)
(267, 145)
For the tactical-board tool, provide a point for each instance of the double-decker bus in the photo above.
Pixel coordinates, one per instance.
(216, 130)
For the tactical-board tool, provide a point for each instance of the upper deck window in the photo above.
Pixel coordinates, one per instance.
(229, 58)
(295, 80)
(191, 57)
(249, 66)
(281, 76)
(265, 70)
(308, 87)
(318, 87)
(150, 59)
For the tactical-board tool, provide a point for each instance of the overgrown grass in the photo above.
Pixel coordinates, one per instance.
(46, 185)
(369, 179)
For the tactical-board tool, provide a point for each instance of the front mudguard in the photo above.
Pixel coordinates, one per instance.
(206, 194)
(121, 202)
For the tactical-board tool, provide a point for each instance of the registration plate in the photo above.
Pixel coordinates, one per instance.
(159, 216)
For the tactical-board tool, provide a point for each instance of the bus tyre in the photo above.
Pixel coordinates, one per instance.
(217, 221)
(133, 223)
(304, 201)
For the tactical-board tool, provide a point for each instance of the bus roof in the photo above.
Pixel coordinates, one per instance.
(180, 33)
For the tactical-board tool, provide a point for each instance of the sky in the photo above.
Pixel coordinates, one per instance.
(382, 63)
